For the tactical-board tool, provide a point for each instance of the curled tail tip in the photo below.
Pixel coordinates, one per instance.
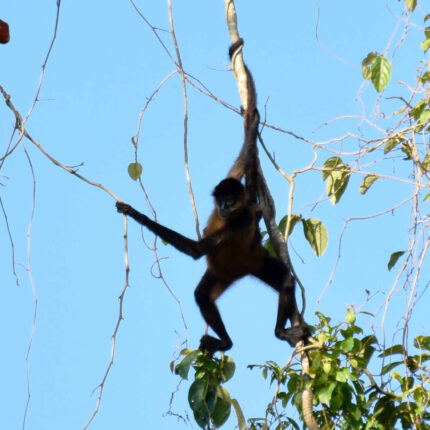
(234, 47)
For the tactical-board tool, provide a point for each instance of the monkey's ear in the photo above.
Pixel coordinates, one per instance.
(4, 32)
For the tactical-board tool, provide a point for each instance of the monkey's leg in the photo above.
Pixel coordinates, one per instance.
(208, 290)
(274, 273)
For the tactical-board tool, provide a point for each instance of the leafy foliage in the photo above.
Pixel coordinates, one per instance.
(313, 229)
(346, 395)
(209, 400)
(378, 69)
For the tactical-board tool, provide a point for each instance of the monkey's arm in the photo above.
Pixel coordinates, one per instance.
(193, 248)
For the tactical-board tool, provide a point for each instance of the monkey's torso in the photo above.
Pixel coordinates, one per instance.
(241, 252)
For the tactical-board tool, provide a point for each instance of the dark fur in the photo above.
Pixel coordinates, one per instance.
(232, 242)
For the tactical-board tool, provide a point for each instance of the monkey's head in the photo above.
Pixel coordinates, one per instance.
(229, 196)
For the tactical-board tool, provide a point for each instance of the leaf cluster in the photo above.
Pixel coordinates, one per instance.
(345, 393)
(209, 400)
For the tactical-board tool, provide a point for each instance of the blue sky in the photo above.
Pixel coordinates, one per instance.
(104, 65)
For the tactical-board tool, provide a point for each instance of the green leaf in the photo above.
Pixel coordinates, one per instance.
(365, 65)
(350, 317)
(135, 170)
(222, 408)
(407, 150)
(388, 367)
(367, 182)
(427, 197)
(418, 109)
(425, 164)
(316, 235)
(241, 422)
(392, 142)
(425, 77)
(422, 342)
(425, 45)
(424, 117)
(396, 349)
(327, 367)
(196, 399)
(332, 163)
(283, 223)
(347, 344)
(324, 394)
(183, 367)
(393, 259)
(337, 175)
(411, 4)
(381, 73)
(269, 246)
(227, 368)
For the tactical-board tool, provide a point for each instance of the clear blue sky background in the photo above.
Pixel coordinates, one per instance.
(104, 64)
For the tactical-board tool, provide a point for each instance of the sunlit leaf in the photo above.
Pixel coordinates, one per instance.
(365, 65)
(183, 367)
(395, 349)
(239, 414)
(392, 142)
(418, 109)
(381, 73)
(348, 344)
(407, 150)
(283, 223)
(316, 235)
(411, 4)
(422, 342)
(425, 45)
(425, 77)
(393, 259)
(324, 394)
(388, 367)
(135, 170)
(227, 368)
(427, 197)
(424, 117)
(426, 163)
(332, 163)
(336, 173)
(350, 317)
(367, 182)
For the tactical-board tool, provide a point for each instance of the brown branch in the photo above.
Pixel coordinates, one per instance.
(184, 91)
(101, 386)
(266, 202)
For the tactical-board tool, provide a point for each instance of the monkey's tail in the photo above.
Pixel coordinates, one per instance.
(246, 162)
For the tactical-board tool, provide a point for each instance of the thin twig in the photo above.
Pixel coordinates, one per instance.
(101, 386)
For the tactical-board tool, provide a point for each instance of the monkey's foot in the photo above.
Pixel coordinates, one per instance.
(293, 335)
(211, 344)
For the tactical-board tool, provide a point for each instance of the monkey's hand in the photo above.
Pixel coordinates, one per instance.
(123, 208)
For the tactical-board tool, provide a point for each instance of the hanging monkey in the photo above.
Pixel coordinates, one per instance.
(232, 242)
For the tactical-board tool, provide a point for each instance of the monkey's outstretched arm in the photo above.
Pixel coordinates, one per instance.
(193, 248)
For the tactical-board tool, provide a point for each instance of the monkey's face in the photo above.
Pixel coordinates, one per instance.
(229, 196)
(227, 204)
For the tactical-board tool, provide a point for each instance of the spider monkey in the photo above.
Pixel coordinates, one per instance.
(232, 241)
